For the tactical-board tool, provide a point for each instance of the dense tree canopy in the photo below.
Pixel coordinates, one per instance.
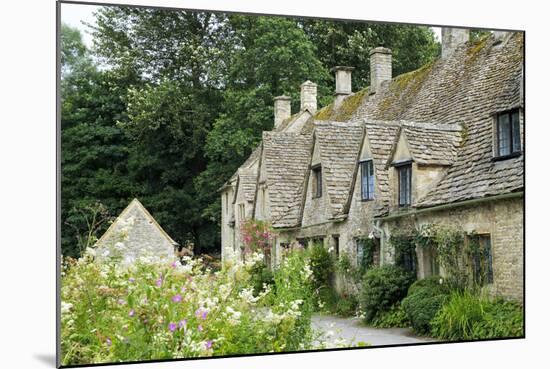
(181, 98)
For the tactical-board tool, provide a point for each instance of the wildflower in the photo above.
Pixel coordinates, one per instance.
(202, 313)
(208, 345)
(182, 323)
(172, 326)
(65, 307)
(121, 302)
(131, 279)
(108, 342)
(131, 313)
(199, 328)
(159, 282)
(183, 289)
(176, 298)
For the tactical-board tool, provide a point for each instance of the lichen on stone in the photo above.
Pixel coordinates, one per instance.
(324, 113)
(349, 106)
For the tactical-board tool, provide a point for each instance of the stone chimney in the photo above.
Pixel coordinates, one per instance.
(451, 38)
(281, 109)
(343, 83)
(380, 67)
(308, 96)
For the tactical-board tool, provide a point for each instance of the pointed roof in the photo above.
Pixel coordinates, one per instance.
(339, 148)
(286, 160)
(139, 233)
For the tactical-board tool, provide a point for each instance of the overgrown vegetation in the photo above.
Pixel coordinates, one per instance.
(423, 301)
(382, 288)
(470, 315)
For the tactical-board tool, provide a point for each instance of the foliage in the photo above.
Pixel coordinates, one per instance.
(257, 235)
(159, 310)
(322, 265)
(346, 305)
(260, 277)
(448, 242)
(405, 249)
(395, 317)
(181, 99)
(347, 269)
(469, 316)
(423, 301)
(382, 288)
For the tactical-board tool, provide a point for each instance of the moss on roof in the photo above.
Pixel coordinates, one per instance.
(345, 111)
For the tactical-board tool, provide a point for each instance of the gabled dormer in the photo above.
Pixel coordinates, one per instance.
(420, 157)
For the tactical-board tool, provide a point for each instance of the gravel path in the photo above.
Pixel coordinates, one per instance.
(353, 331)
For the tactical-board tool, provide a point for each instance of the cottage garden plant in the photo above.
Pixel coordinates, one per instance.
(157, 309)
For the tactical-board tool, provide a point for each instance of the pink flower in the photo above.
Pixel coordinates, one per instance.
(131, 280)
(176, 298)
(199, 328)
(159, 282)
(208, 345)
(172, 326)
(108, 341)
(132, 312)
(121, 302)
(183, 289)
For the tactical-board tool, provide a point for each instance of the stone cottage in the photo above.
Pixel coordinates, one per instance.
(439, 145)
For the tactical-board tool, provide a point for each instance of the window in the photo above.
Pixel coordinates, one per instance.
(360, 246)
(241, 212)
(404, 177)
(508, 134)
(482, 259)
(317, 189)
(336, 243)
(263, 201)
(367, 180)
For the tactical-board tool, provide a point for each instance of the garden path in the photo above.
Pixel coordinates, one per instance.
(353, 331)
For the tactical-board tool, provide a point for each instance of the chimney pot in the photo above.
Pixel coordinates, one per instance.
(282, 109)
(342, 76)
(308, 96)
(451, 38)
(380, 67)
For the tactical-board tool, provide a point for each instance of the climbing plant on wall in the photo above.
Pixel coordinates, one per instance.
(403, 242)
(448, 242)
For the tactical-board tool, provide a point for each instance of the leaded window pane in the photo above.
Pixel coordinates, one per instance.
(516, 144)
(504, 132)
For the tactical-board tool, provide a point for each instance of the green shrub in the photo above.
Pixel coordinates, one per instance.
(346, 305)
(382, 288)
(393, 318)
(321, 264)
(423, 301)
(469, 316)
(260, 275)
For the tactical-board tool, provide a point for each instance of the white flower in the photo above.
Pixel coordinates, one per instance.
(106, 252)
(90, 251)
(120, 246)
(66, 307)
(247, 295)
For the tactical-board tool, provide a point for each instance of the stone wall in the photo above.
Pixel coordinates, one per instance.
(501, 219)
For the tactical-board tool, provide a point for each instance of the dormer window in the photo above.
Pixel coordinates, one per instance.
(508, 136)
(367, 180)
(317, 185)
(404, 177)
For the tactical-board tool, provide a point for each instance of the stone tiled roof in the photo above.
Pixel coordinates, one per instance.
(477, 81)
(247, 183)
(286, 160)
(381, 136)
(339, 145)
(432, 144)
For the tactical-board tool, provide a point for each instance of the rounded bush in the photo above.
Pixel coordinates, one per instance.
(383, 287)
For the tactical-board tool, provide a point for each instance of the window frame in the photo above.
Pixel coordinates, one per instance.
(478, 264)
(401, 167)
(512, 135)
(317, 183)
(365, 163)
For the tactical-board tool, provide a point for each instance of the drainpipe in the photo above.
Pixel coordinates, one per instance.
(376, 226)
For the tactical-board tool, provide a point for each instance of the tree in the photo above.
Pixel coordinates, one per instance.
(349, 43)
(94, 150)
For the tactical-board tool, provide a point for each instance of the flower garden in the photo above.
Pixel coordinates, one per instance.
(154, 309)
